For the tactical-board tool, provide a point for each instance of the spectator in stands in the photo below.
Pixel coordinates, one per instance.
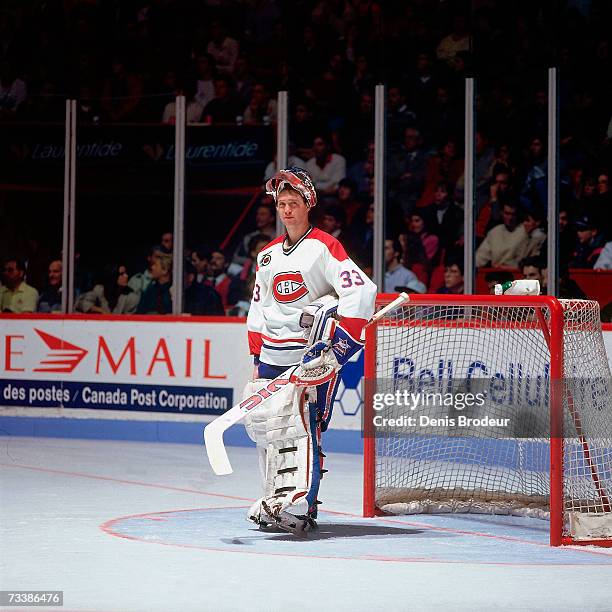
(444, 166)
(399, 116)
(241, 286)
(419, 231)
(243, 300)
(534, 189)
(302, 129)
(200, 258)
(261, 108)
(397, 277)
(50, 299)
(157, 297)
(330, 87)
(15, 294)
(532, 268)
(205, 79)
(122, 92)
(490, 214)
(243, 79)
(333, 221)
(362, 237)
(458, 40)
(285, 79)
(357, 129)
(445, 218)
(217, 269)
(506, 244)
(535, 116)
(572, 186)
(363, 79)
(292, 160)
(567, 238)
(532, 224)
(200, 298)
(193, 108)
(589, 245)
(309, 56)
(265, 223)
(453, 277)
(503, 161)
(506, 123)
(362, 172)
(604, 261)
(407, 171)
(326, 168)
(442, 118)
(347, 198)
(223, 48)
(484, 161)
(224, 107)
(141, 280)
(110, 294)
(604, 203)
(423, 84)
(568, 287)
(166, 243)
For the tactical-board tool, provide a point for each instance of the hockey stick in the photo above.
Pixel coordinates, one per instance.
(396, 303)
(213, 432)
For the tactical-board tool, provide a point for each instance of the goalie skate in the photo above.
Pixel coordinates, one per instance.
(298, 525)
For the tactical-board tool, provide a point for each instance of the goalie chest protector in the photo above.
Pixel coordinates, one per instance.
(288, 280)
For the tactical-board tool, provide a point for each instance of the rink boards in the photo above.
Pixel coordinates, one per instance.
(156, 373)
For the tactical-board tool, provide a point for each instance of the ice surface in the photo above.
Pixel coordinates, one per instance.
(135, 526)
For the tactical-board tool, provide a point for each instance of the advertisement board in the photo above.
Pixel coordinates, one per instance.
(143, 364)
(140, 368)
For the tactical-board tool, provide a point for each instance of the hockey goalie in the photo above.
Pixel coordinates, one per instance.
(309, 305)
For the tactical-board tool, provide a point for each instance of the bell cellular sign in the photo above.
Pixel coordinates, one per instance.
(192, 366)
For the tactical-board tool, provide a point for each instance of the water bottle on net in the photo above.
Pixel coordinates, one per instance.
(518, 287)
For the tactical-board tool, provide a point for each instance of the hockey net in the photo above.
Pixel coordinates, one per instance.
(535, 438)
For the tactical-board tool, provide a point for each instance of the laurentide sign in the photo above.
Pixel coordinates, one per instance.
(174, 365)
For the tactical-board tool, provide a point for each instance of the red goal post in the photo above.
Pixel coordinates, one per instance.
(502, 342)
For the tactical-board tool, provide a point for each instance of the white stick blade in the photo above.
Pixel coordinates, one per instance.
(215, 449)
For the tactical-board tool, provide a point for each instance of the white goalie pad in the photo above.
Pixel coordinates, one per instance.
(255, 421)
(288, 458)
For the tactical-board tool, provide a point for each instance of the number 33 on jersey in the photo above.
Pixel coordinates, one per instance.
(289, 279)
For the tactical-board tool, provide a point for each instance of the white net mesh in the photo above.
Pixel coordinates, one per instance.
(493, 457)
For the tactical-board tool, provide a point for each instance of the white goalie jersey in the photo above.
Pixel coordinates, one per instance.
(288, 280)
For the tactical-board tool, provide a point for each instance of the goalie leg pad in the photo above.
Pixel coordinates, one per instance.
(293, 468)
(255, 421)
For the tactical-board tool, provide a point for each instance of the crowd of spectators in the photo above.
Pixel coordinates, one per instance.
(214, 283)
(125, 62)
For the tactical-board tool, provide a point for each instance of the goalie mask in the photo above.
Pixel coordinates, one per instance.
(296, 178)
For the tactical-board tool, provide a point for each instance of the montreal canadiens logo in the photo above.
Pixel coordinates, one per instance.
(288, 287)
